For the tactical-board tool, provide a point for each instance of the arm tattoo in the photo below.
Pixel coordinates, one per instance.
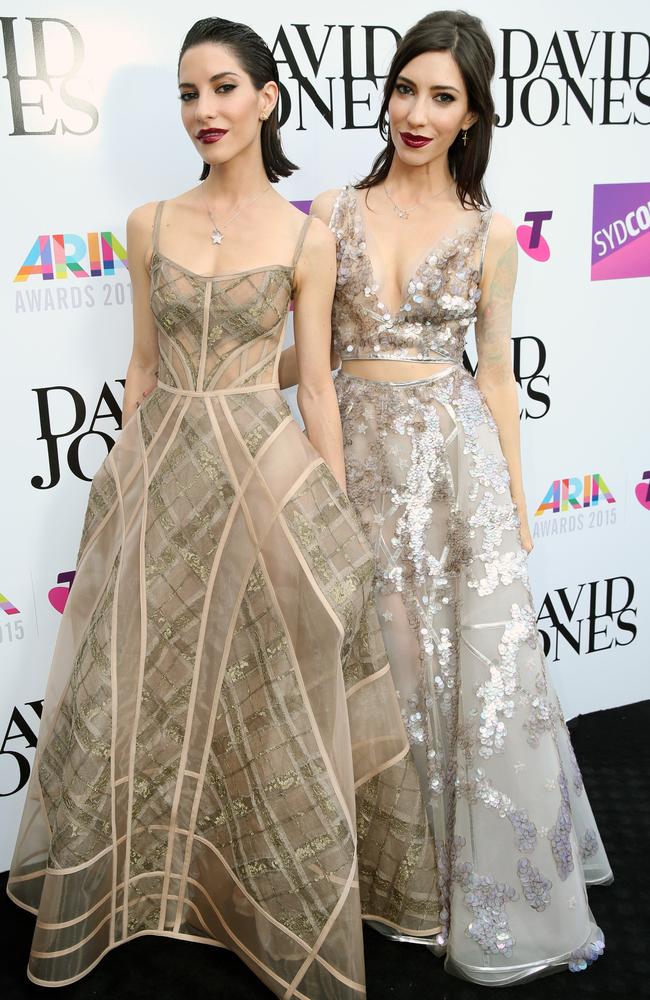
(495, 323)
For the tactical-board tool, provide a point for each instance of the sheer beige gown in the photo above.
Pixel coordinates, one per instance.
(516, 841)
(222, 757)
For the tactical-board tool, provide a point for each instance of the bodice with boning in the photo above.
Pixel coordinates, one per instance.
(219, 332)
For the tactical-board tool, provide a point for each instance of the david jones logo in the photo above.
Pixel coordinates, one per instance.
(334, 72)
(96, 420)
(20, 734)
(592, 617)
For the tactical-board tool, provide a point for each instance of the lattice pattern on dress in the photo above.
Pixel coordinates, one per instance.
(232, 337)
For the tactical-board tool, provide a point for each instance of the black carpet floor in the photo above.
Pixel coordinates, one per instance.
(612, 748)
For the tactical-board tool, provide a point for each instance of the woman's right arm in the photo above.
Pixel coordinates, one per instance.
(142, 373)
(321, 208)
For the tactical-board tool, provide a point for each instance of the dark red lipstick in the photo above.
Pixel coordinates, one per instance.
(415, 141)
(211, 134)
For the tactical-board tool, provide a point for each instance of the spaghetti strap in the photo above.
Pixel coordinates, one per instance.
(484, 238)
(301, 240)
(337, 207)
(156, 224)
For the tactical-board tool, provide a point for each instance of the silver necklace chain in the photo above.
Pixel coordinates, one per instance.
(404, 213)
(217, 231)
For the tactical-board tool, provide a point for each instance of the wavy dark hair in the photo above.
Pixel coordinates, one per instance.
(257, 60)
(465, 38)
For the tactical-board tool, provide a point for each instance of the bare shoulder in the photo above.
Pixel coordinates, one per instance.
(317, 260)
(317, 236)
(319, 239)
(502, 234)
(323, 205)
(500, 262)
(141, 219)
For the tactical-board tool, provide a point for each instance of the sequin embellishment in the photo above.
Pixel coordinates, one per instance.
(487, 900)
(427, 475)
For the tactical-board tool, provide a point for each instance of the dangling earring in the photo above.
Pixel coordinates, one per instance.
(464, 138)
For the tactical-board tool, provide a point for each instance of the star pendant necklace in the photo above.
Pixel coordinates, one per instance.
(217, 231)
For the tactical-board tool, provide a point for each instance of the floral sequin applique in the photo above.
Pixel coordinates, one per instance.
(497, 693)
(487, 899)
(536, 888)
(484, 791)
(560, 834)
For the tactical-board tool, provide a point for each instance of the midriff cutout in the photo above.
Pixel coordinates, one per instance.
(394, 371)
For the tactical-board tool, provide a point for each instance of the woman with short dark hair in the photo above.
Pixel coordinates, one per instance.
(220, 692)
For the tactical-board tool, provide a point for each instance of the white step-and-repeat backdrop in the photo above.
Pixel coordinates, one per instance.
(90, 127)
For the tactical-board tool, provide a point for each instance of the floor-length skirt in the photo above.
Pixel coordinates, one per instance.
(222, 757)
(515, 837)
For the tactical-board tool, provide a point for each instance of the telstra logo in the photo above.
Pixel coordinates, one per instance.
(530, 238)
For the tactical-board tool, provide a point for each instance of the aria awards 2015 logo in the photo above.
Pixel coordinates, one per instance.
(54, 258)
(12, 628)
(587, 497)
(7, 606)
(63, 254)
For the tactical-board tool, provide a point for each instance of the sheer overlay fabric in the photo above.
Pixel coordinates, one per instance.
(516, 842)
(222, 756)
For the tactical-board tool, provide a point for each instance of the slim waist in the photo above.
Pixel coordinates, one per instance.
(395, 383)
(435, 357)
(228, 390)
(441, 359)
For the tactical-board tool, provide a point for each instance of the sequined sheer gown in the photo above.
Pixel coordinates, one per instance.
(220, 691)
(516, 842)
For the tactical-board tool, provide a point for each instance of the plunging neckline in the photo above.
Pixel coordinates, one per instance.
(373, 285)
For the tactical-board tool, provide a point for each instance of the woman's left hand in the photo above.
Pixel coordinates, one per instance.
(526, 537)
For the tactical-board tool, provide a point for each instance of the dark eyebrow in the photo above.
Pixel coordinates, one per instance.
(213, 79)
(436, 86)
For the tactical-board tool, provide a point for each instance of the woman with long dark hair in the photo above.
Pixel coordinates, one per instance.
(433, 468)
(220, 690)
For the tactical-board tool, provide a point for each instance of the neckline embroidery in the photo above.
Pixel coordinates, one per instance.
(225, 274)
(437, 247)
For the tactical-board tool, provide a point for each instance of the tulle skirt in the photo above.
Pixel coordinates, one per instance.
(516, 841)
(222, 757)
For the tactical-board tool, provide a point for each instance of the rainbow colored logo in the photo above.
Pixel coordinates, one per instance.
(620, 243)
(7, 606)
(62, 254)
(575, 494)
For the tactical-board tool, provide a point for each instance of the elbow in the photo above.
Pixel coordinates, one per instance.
(312, 394)
(315, 401)
(496, 379)
(143, 365)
